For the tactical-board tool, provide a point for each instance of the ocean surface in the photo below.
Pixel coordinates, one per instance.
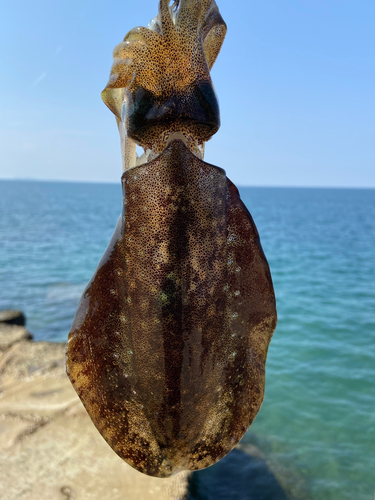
(317, 424)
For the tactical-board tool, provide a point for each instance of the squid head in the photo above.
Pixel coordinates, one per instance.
(168, 347)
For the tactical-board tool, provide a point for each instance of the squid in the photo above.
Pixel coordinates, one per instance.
(168, 346)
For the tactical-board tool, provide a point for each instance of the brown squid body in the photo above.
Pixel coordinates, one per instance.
(168, 347)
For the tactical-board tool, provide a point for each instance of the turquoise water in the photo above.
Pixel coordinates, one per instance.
(318, 418)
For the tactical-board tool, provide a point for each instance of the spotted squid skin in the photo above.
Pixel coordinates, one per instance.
(168, 346)
(160, 80)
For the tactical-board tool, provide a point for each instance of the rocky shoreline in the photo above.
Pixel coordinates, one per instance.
(50, 450)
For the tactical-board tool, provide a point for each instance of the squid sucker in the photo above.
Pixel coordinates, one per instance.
(168, 347)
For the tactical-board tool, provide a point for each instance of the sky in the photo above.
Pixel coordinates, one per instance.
(295, 81)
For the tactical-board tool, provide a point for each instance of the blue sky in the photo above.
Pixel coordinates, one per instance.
(295, 81)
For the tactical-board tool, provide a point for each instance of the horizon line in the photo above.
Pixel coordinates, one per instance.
(70, 181)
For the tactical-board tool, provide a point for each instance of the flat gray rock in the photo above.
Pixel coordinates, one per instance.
(12, 334)
(12, 317)
(28, 359)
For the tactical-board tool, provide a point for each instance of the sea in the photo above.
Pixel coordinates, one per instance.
(317, 423)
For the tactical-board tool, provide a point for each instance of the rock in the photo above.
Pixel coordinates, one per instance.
(25, 360)
(12, 317)
(42, 396)
(11, 427)
(11, 334)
